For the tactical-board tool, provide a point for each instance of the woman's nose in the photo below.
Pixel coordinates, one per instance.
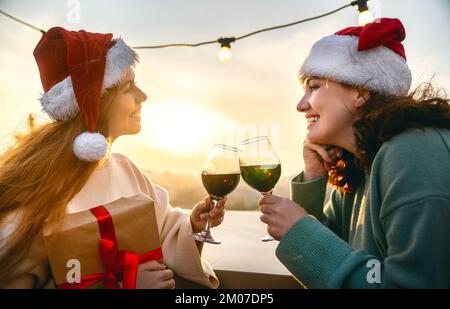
(141, 97)
(303, 105)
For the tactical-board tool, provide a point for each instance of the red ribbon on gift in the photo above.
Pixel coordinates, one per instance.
(115, 262)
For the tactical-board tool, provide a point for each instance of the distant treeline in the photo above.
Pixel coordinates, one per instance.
(186, 190)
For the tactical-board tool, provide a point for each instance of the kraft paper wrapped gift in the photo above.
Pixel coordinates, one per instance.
(109, 241)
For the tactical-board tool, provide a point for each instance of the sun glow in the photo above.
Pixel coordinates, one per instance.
(179, 126)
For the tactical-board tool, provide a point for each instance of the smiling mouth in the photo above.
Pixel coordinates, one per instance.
(313, 119)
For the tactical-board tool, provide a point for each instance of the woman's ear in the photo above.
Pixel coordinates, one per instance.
(363, 95)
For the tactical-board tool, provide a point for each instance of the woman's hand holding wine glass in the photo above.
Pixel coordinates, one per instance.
(280, 214)
(202, 212)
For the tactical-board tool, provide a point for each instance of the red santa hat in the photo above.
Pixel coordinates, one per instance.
(371, 56)
(76, 68)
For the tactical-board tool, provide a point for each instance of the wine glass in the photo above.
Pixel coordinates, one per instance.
(220, 176)
(260, 166)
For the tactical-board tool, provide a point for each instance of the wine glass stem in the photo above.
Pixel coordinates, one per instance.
(207, 227)
(267, 193)
(267, 237)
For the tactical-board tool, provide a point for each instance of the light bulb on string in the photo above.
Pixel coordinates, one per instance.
(224, 54)
(225, 49)
(364, 16)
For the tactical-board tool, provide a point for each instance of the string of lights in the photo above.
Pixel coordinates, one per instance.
(22, 22)
(225, 42)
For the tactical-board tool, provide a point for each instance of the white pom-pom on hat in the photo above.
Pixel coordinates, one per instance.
(90, 147)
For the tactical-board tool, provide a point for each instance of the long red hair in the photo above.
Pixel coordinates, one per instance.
(39, 175)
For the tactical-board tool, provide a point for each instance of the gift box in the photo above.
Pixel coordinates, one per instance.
(109, 242)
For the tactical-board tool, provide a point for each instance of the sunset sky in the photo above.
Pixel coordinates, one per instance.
(194, 100)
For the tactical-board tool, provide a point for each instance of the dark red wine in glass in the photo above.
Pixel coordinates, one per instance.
(220, 177)
(220, 185)
(260, 166)
(263, 177)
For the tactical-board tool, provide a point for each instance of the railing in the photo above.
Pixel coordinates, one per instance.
(243, 260)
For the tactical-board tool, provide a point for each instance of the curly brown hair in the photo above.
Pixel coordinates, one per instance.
(383, 117)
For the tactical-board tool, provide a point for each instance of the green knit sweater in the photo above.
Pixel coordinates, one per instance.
(393, 232)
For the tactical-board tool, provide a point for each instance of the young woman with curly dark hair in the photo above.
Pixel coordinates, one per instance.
(387, 153)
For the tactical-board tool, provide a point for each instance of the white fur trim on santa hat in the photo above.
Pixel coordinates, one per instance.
(60, 103)
(119, 60)
(90, 147)
(378, 69)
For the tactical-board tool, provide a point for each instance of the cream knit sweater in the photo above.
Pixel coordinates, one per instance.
(119, 177)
